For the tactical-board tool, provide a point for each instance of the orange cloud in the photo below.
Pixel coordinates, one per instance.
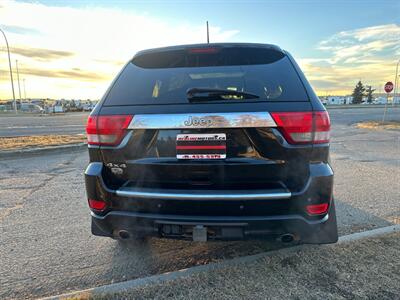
(41, 54)
(367, 54)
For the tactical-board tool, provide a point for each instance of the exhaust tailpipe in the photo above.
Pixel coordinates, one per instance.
(286, 238)
(123, 234)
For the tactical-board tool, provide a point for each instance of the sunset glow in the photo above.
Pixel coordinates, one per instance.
(75, 51)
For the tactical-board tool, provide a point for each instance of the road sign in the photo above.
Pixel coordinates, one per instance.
(388, 87)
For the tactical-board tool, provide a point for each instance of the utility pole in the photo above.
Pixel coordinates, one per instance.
(11, 75)
(19, 85)
(208, 34)
(23, 81)
(396, 83)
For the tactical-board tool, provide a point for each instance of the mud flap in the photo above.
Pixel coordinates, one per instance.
(325, 233)
(96, 230)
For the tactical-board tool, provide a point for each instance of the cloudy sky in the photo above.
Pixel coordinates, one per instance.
(73, 49)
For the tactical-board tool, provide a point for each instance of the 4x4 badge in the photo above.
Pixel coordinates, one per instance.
(195, 121)
(117, 169)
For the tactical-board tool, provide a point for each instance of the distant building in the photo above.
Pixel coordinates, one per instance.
(335, 100)
(380, 100)
(348, 99)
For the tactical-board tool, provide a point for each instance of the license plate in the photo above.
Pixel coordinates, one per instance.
(201, 146)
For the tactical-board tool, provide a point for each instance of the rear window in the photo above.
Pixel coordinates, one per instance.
(164, 77)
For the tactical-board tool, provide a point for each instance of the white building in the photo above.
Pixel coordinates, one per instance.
(348, 99)
(380, 100)
(335, 100)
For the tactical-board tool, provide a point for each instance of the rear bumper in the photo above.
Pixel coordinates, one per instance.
(221, 228)
(152, 219)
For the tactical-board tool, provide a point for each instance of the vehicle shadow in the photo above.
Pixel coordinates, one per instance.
(133, 260)
(351, 219)
(165, 255)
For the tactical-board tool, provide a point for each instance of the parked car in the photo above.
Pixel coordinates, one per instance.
(211, 141)
(29, 107)
(88, 107)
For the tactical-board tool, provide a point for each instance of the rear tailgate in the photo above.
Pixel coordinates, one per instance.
(257, 157)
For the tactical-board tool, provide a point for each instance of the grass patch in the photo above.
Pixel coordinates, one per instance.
(83, 296)
(393, 125)
(26, 142)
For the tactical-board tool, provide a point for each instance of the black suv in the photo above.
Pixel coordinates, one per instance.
(211, 141)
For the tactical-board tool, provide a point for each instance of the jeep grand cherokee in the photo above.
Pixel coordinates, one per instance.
(211, 141)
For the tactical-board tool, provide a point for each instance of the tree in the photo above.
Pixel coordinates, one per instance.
(358, 93)
(368, 93)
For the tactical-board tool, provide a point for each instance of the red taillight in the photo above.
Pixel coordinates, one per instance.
(107, 130)
(303, 127)
(317, 209)
(97, 204)
(322, 127)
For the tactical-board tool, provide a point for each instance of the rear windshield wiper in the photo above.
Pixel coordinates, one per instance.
(199, 94)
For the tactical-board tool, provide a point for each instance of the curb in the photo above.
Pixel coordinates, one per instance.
(10, 154)
(106, 291)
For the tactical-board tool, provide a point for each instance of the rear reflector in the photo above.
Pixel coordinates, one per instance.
(97, 204)
(107, 130)
(303, 127)
(317, 209)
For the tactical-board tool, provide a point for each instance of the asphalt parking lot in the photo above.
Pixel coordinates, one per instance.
(45, 242)
(23, 125)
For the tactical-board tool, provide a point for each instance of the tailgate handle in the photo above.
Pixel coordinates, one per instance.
(202, 120)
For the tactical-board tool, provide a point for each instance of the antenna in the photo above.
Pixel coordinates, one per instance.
(208, 34)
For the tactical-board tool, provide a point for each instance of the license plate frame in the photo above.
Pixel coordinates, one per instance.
(201, 146)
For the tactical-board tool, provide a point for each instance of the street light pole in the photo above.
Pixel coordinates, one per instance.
(23, 81)
(11, 76)
(208, 34)
(19, 85)
(396, 82)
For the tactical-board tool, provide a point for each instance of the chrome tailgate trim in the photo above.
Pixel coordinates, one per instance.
(202, 120)
(202, 195)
